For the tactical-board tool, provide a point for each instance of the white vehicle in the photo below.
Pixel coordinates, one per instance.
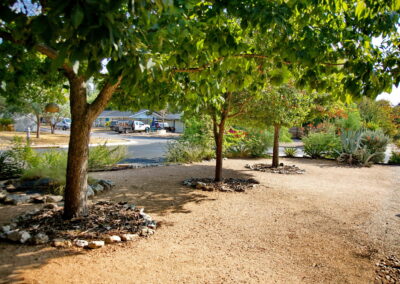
(125, 126)
(64, 124)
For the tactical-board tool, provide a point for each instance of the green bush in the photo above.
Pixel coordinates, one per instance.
(247, 143)
(103, 156)
(182, 151)
(362, 147)
(6, 121)
(318, 145)
(352, 122)
(375, 142)
(290, 152)
(395, 158)
(52, 165)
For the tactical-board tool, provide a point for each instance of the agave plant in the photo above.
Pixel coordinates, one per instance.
(290, 151)
(351, 142)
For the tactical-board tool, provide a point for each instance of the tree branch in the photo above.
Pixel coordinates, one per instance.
(101, 101)
(219, 59)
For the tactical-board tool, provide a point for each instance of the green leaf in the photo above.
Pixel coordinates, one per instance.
(360, 9)
(77, 16)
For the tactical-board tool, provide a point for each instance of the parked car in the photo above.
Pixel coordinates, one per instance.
(113, 124)
(164, 125)
(125, 126)
(64, 124)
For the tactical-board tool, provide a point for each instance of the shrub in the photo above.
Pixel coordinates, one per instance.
(375, 142)
(52, 165)
(247, 143)
(290, 151)
(103, 156)
(318, 145)
(6, 121)
(353, 122)
(395, 158)
(363, 148)
(182, 151)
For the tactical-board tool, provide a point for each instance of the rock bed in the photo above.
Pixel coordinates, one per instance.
(281, 169)
(227, 185)
(106, 222)
(15, 192)
(388, 270)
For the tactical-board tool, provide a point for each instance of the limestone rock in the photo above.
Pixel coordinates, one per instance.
(95, 244)
(6, 229)
(40, 238)
(128, 237)
(16, 199)
(18, 236)
(81, 243)
(61, 243)
(53, 198)
(3, 195)
(112, 239)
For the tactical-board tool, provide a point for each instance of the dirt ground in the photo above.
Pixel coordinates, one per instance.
(329, 225)
(46, 139)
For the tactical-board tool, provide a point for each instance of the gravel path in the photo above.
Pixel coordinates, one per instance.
(329, 225)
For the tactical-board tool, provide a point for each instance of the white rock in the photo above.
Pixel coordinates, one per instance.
(112, 239)
(40, 238)
(81, 243)
(53, 198)
(95, 244)
(3, 195)
(61, 243)
(18, 236)
(6, 229)
(129, 237)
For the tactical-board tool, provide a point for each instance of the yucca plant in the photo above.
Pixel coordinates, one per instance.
(290, 151)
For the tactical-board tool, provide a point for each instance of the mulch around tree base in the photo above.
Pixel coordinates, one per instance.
(226, 185)
(104, 219)
(388, 270)
(281, 169)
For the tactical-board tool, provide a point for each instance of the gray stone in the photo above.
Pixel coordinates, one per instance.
(53, 198)
(40, 238)
(95, 244)
(89, 192)
(18, 236)
(6, 229)
(107, 184)
(128, 237)
(61, 243)
(112, 239)
(38, 199)
(97, 188)
(16, 199)
(81, 243)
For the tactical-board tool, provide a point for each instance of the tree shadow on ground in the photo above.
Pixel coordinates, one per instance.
(159, 190)
(163, 192)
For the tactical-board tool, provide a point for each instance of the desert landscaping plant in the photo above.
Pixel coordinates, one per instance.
(321, 145)
(394, 158)
(290, 152)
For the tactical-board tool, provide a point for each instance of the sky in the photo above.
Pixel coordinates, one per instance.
(393, 97)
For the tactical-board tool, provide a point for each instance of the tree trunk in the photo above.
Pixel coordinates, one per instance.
(78, 151)
(37, 126)
(275, 154)
(82, 115)
(219, 158)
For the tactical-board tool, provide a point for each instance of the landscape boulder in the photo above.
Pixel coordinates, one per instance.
(95, 244)
(18, 236)
(53, 198)
(40, 238)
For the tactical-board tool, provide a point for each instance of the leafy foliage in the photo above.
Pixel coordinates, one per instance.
(394, 158)
(247, 143)
(290, 152)
(318, 145)
(103, 156)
